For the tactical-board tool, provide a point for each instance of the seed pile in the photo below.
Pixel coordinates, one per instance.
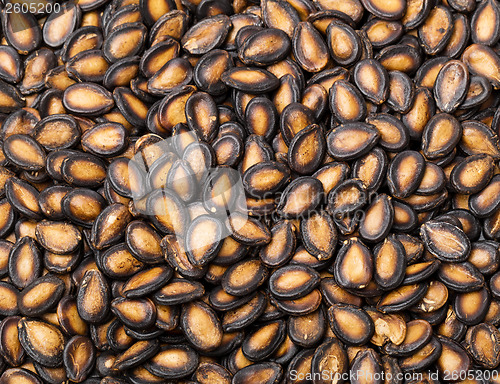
(364, 237)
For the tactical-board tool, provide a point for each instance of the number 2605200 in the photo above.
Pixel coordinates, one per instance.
(470, 375)
(32, 7)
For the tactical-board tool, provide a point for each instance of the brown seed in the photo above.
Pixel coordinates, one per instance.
(369, 361)
(343, 42)
(158, 55)
(389, 328)
(300, 196)
(209, 69)
(452, 327)
(280, 15)
(418, 334)
(427, 74)
(176, 72)
(67, 315)
(41, 295)
(143, 242)
(133, 109)
(147, 281)
(271, 372)
(309, 48)
(377, 220)
(16, 375)
(251, 80)
(173, 362)
(402, 297)
(351, 140)
(383, 32)
(176, 256)
(401, 91)
(122, 72)
(451, 86)
(11, 349)
(265, 47)
(294, 118)
(57, 132)
(481, 343)
(244, 277)
(484, 24)
(293, 282)
(307, 330)
(400, 57)
(436, 31)
(434, 299)
(134, 313)
(136, 354)
(372, 80)
(420, 113)
(77, 198)
(482, 60)
(471, 307)
(244, 314)
(206, 35)
(446, 241)
(93, 297)
(484, 257)
(307, 149)
(389, 263)
(434, 180)
(124, 41)
(9, 295)
(87, 99)
(50, 233)
(60, 25)
(330, 356)
(25, 262)
(282, 245)
(479, 91)
(264, 341)
(346, 102)
(78, 357)
(423, 358)
(43, 342)
(247, 230)
(453, 358)
(477, 139)
(201, 326)
(25, 39)
(353, 267)
(107, 139)
(351, 324)
(459, 37)
(261, 117)
(35, 67)
(11, 69)
(179, 291)
(389, 11)
(466, 182)
(405, 173)
(116, 337)
(203, 239)
(461, 277)
(118, 263)
(264, 178)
